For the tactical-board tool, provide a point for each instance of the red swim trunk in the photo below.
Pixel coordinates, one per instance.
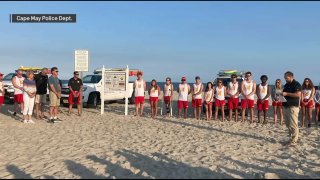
(245, 102)
(183, 104)
(196, 103)
(154, 99)
(208, 103)
(263, 105)
(309, 105)
(18, 98)
(71, 99)
(219, 103)
(1, 100)
(278, 104)
(167, 99)
(233, 103)
(139, 100)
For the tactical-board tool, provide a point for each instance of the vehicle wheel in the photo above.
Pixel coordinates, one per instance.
(93, 100)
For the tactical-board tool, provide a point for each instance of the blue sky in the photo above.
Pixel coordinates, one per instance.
(169, 38)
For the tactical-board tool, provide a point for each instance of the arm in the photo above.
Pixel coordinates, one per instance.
(144, 85)
(269, 92)
(294, 95)
(258, 93)
(312, 95)
(254, 89)
(172, 88)
(242, 89)
(15, 85)
(189, 91)
(159, 90)
(225, 91)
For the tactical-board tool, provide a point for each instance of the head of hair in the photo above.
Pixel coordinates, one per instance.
(53, 69)
(76, 72)
(44, 69)
(139, 73)
(249, 73)
(309, 86)
(234, 75)
(288, 73)
(264, 76)
(280, 83)
(29, 73)
(207, 87)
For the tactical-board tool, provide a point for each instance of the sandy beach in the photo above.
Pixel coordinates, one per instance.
(115, 146)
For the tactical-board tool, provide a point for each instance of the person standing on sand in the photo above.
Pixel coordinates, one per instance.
(75, 86)
(29, 93)
(168, 95)
(317, 102)
(263, 93)
(306, 104)
(292, 93)
(54, 94)
(184, 91)
(248, 89)
(41, 96)
(17, 82)
(220, 99)
(154, 93)
(139, 89)
(208, 98)
(197, 98)
(276, 103)
(233, 90)
(1, 91)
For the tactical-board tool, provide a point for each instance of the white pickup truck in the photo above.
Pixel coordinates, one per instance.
(92, 86)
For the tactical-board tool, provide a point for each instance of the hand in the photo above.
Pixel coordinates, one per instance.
(21, 88)
(284, 93)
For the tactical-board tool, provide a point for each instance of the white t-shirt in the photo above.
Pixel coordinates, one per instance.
(220, 93)
(233, 88)
(139, 89)
(167, 89)
(208, 96)
(154, 92)
(306, 93)
(248, 88)
(183, 92)
(19, 82)
(263, 90)
(197, 88)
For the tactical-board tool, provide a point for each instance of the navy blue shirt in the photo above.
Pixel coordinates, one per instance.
(292, 87)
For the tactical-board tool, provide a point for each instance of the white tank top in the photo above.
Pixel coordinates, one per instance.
(248, 88)
(197, 89)
(1, 88)
(183, 92)
(208, 96)
(306, 93)
(233, 88)
(139, 90)
(263, 91)
(220, 93)
(154, 92)
(18, 82)
(167, 89)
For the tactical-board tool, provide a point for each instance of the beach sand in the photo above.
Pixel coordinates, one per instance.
(115, 146)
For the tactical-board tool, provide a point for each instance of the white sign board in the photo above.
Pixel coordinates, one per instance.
(115, 81)
(81, 60)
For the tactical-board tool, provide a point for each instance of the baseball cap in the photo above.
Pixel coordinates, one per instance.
(197, 77)
(168, 79)
(183, 78)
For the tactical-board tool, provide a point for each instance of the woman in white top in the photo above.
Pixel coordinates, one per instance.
(317, 101)
(276, 103)
(208, 98)
(306, 104)
(29, 93)
(154, 93)
(220, 101)
(139, 89)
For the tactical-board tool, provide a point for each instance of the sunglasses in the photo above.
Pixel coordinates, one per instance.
(220, 82)
(277, 82)
(234, 77)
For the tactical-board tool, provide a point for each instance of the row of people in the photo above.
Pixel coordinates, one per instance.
(216, 95)
(32, 91)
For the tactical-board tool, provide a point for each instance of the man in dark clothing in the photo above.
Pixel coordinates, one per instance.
(292, 94)
(42, 88)
(75, 86)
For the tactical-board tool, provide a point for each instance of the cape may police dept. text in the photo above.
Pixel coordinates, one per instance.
(44, 18)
